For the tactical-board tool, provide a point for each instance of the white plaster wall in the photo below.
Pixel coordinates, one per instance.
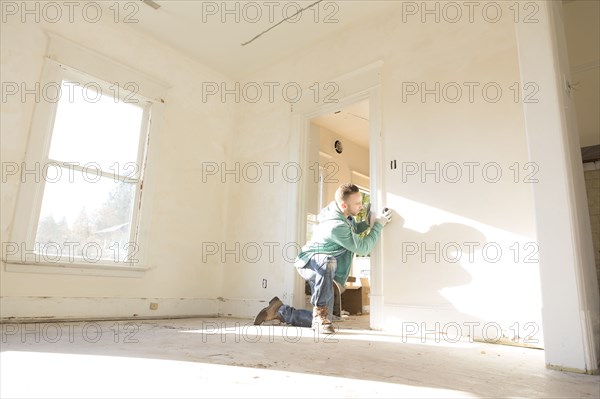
(582, 31)
(481, 211)
(184, 211)
(354, 157)
(505, 292)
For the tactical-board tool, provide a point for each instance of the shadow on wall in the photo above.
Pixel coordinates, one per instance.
(431, 266)
(453, 280)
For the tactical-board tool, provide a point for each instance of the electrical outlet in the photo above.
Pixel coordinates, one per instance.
(153, 305)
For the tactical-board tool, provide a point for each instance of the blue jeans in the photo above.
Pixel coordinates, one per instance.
(319, 273)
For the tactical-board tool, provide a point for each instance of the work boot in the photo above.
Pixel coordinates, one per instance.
(270, 312)
(320, 321)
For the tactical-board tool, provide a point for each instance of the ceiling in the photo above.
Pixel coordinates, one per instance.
(351, 123)
(212, 32)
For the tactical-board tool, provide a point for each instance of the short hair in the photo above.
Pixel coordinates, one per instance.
(344, 191)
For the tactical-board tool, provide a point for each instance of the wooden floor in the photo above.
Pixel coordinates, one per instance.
(230, 358)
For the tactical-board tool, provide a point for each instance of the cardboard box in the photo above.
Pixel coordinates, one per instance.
(355, 300)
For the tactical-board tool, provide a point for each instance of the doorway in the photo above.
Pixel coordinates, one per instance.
(341, 144)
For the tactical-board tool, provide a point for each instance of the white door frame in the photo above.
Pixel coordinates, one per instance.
(293, 283)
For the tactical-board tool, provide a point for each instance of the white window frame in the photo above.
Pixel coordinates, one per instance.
(30, 196)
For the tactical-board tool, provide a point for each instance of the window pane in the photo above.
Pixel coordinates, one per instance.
(84, 216)
(91, 127)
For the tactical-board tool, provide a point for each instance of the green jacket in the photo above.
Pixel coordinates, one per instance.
(337, 235)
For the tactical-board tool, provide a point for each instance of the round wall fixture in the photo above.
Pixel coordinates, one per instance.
(338, 146)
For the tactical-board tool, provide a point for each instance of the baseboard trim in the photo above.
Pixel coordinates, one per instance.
(444, 323)
(38, 308)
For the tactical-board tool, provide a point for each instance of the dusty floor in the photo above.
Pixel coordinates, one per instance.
(230, 358)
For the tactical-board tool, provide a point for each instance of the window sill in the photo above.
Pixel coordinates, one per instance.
(82, 269)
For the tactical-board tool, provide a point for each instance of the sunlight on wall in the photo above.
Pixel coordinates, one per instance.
(456, 264)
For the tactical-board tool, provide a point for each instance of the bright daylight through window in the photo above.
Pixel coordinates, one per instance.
(93, 177)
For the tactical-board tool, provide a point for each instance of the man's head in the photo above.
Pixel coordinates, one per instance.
(349, 199)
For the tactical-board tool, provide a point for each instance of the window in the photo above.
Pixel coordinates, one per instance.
(92, 177)
(82, 190)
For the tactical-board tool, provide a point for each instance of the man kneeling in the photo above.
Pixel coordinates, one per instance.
(328, 257)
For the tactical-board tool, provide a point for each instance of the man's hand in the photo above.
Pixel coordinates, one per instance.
(385, 217)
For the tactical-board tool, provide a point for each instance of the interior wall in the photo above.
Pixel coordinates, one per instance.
(184, 210)
(582, 31)
(339, 167)
(592, 185)
(467, 233)
(423, 286)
